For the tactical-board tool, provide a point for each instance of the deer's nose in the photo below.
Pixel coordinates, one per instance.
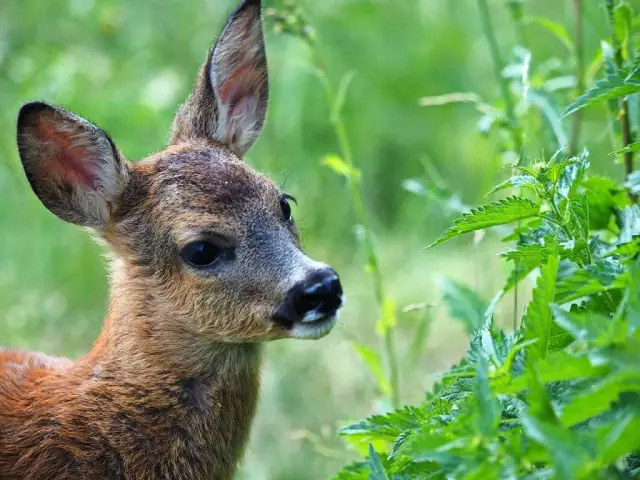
(317, 297)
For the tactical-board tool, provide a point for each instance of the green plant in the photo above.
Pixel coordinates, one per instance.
(291, 21)
(559, 396)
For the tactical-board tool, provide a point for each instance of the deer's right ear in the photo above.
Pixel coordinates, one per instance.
(72, 165)
(229, 102)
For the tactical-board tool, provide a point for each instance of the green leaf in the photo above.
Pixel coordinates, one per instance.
(591, 327)
(619, 439)
(501, 212)
(631, 148)
(464, 304)
(389, 425)
(388, 317)
(613, 86)
(568, 454)
(373, 362)
(629, 222)
(604, 275)
(633, 295)
(598, 398)
(377, 469)
(355, 471)
(633, 180)
(487, 403)
(339, 166)
(557, 29)
(515, 181)
(538, 320)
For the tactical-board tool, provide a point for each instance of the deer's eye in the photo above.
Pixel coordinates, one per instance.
(285, 206)
(201, 254)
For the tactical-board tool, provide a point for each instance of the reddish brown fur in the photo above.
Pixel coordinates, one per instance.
(169, 388)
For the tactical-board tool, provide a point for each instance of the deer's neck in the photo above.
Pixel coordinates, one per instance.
(188, 400)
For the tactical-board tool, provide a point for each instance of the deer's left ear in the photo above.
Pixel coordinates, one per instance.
(229, 102)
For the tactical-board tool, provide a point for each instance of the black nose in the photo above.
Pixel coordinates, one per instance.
(318, 296)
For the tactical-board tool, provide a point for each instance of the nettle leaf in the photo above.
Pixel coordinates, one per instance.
(373, 362)
(568, 453)
(633, 180)
(629, 223)
(599, 398)
(389, 425)
(613, 86)
(355, 471)
(538, 320)
(571, 175)
(464, 304)
(575, 282)
(603, 194)
(377, 469)
(594, 328)
(488, 407)
(504, 211)
(619, 438)
(515, 181)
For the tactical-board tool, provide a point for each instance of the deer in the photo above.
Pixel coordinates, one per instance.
(205, 267)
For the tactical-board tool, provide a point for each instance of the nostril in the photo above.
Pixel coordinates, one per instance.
(323, 296)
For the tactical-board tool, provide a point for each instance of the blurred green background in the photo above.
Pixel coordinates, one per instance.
(127, 65)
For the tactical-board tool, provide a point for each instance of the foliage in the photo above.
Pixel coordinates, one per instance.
(559, 396)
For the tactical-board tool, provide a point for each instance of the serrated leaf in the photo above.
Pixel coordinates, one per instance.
(613, 86)
(568, 454)
(504, 211)
(515, 181)
(389, 425)
(619, 439)
(355, 471)
(374, 364)
(589, 326)
(464, 304)
(604, 275)
(377, 469)
(598, 398)
(538, 320)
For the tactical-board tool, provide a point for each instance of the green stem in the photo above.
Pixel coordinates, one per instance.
(361, 218)
(498, 67)
(579, 72)
(625, 123)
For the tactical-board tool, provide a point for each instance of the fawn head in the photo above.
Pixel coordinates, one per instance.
(207, 241)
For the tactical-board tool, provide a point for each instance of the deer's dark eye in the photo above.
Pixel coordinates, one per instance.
(285, 206)
(201, 254)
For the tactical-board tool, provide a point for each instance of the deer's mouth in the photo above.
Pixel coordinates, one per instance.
(315, 327)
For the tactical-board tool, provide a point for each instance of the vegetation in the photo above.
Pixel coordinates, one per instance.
(557, 397)
(383, 122)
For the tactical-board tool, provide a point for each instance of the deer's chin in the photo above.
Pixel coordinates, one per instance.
(313, 329)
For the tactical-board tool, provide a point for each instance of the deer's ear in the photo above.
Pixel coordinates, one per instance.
(72, 165)
(229, 102)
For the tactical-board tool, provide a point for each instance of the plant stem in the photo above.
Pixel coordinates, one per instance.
(361, 218)
(625, 123)
(498, 67)
(515, 8)
(579, 73)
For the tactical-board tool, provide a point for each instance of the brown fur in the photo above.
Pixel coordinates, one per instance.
(169, 388)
